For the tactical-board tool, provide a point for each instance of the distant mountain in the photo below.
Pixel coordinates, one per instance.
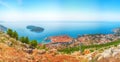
(35, 28)
(3, 28)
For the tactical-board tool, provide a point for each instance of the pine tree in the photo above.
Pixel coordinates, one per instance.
(33, 43)
(15, 35)
(10, 32)
(22, 39)
(26, 40)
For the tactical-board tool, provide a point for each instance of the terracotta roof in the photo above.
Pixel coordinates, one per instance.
(63, 38)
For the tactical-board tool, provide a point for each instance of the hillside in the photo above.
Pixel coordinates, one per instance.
(12, 50)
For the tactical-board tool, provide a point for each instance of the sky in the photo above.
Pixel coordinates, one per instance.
(59, 10)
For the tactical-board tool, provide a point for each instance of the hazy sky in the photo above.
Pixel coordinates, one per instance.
(57, 10)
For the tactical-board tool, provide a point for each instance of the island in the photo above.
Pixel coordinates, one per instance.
(35, 28)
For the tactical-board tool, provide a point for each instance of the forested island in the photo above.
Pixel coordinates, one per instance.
(35, 29)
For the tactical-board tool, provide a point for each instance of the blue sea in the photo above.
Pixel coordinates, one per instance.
(72, 29)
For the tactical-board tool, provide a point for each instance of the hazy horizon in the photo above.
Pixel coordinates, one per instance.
(59, 10)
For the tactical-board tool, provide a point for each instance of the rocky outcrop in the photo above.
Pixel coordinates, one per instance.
(113, 54)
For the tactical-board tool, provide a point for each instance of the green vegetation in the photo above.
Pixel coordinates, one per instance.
(43, 46)
(34, 43)
(26, 40)
(83, 47)
(15, 35)
(12, 34)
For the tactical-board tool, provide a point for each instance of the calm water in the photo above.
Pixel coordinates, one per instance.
(71, 29)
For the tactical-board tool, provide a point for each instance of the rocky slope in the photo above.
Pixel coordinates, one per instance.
(12, 50)
(110, 55)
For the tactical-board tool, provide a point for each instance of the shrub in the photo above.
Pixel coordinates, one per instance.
(10, 32)
(24, 40)
(33, 43)
(15, 35)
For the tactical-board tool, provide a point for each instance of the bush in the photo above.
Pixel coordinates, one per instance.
(12, 34)
(15, 35)
(24, 40)
(33, 43)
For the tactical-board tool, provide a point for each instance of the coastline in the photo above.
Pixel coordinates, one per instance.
(53, 29)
